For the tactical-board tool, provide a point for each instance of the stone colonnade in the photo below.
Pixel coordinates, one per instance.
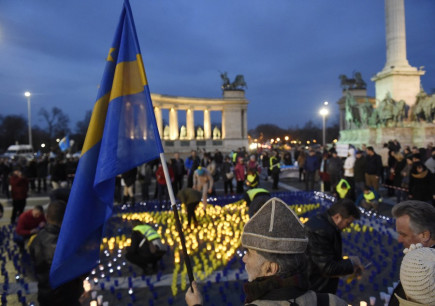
(233, 107)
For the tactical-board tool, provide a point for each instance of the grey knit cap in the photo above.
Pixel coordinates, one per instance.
(275, 228)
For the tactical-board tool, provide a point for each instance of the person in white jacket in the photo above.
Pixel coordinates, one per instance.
(348, 171)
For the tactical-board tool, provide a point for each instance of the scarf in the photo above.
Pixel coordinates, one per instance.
(420, 175)
(263, 285)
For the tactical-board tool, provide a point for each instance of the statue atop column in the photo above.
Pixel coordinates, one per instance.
(238, 84)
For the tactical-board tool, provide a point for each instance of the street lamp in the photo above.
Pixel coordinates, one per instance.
(324, 112)
(27, 94)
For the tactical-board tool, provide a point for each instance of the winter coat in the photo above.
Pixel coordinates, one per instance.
(359, 169)
(19, 187)
(42, 253)
(374, 165)
(312, 163)
(325, 253)
(421, 185)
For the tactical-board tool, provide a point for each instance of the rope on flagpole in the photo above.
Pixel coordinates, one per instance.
(177, 219)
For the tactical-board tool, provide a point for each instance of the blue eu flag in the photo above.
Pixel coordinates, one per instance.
(122, 134)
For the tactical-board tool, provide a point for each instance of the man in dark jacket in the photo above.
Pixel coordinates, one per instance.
(373, 169)
(335, 169)
(311, 166)
(177, 164)
(42, 253)
(359, 170)
(324, 246)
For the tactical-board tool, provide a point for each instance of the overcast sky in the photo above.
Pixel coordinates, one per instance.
(290, 51)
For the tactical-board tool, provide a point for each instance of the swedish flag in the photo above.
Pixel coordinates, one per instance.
(122, 134)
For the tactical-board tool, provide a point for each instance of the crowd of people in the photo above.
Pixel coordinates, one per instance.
(406, 173)
(296, 263)
(289, 263)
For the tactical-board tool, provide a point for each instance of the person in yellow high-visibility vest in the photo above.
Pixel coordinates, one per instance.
(252, 179)
(274, 167)
(146, 248)
(342, 189)
(369, 199)
(255, 199)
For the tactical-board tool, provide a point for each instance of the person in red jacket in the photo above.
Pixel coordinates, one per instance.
(162, 189)
(19, 188)
(240, 171)
(30, 222)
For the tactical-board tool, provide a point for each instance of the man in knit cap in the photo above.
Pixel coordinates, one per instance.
(275, 260)
(417, 275)
(414, 224)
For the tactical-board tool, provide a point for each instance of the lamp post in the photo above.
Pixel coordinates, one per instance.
(27, 94)
(324, 112)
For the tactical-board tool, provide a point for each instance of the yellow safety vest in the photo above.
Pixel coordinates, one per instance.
(148, 231)
(271, 163)
(342, 192)
(251, 178)
(369, 197)
(253, 192)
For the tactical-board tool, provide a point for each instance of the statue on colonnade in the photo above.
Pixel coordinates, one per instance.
(199, 133)
(166, 132)
(238, 84)
(183, 132)
(216, 133)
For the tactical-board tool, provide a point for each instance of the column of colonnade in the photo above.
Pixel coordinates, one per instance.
(190, 124)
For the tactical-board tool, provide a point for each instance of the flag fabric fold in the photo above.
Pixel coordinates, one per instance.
(122, 134)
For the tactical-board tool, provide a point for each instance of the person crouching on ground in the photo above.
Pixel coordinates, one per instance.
(191, 198)
(275, 261)
(369, 199)
(29, 223)
(146, 248)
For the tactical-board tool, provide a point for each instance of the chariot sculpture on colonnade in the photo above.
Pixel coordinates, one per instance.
(238, 84)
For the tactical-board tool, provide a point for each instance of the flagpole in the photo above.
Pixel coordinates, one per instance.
(177, 219)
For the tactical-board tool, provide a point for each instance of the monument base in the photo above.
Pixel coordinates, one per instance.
(418, 136)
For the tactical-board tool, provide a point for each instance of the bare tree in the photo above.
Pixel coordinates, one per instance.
(13, 129)
(57, 122)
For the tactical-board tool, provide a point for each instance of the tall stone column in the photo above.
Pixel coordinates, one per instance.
(190, 124)
(159, 120)
(173, 123)
(244, 123)
(395, 34)
(207, 124)
(397, 79)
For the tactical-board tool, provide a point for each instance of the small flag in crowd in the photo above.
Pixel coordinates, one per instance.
(122, 134)
(64, 143)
